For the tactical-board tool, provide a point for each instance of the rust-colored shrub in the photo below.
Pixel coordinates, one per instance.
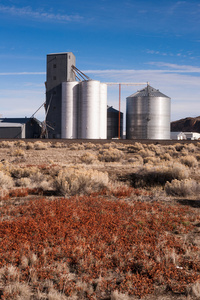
(86, 242)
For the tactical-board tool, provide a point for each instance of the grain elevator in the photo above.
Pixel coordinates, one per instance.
(59, 70)
(76, 106)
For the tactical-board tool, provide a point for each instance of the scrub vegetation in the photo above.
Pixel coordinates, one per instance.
(99, 220)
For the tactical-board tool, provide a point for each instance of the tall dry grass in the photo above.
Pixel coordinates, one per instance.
(182, 188)
(71, 181)
(147, 165)
(110, 155)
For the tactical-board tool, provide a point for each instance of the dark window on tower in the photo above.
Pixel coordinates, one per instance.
(54, 92)
(54, 77)
(54, 66)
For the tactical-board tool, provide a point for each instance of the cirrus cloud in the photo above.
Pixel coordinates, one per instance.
(39, 14)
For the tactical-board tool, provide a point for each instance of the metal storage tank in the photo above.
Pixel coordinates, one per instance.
(148, 115)
(112, 123)
(103, 111)
(69, 110)
(89, 103)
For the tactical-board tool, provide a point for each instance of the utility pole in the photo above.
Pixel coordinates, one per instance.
(120, 84)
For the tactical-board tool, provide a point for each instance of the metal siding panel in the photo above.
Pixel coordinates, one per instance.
(11, 132)
(136, 118)
(53, 100)
(112, 124)
(103, 111)
(69, 117)
(148, 117)
(89, 109)
(59, 69)
(159, 118)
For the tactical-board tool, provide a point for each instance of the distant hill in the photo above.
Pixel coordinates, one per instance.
(187, 124)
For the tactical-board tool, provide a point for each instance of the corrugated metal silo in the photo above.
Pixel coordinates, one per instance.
(148, 115)
(89, 109)
(69, 110)
(103, 111)
(112, 123)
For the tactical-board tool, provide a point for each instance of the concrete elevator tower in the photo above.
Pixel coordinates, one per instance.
(59, 70)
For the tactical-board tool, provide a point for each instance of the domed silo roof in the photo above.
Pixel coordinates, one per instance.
(148, 91)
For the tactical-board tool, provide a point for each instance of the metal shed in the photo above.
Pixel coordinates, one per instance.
(112, 123)
(28, 128)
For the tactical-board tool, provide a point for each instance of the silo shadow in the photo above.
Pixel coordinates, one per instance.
(189, 202)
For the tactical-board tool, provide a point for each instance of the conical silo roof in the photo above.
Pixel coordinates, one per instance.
(148, 91)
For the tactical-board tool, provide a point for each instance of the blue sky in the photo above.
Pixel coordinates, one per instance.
(113, 41)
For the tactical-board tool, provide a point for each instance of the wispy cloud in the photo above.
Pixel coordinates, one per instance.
(179, 82)
(176, 81)
(122, 74)
(21, 73)
(22, 102)
(177, 5)
(187, 54)
(39, 14)
(177, 68)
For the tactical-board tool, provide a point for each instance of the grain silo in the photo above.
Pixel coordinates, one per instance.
(103, 111)
(69, 110)
(113, 123)
(148, 115)
(89, 109)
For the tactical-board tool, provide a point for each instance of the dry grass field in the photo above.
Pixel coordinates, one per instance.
(104, 221)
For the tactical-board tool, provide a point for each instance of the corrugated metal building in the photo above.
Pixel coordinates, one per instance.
(59, 69)
(12, 128)
(113, 123)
